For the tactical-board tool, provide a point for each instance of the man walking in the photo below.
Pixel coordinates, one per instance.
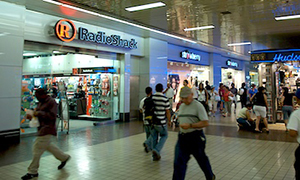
(169, 92)
(234, 91)
(192, 117)
(294, 131)
(162, 116)
(148, 143)
(46, 113)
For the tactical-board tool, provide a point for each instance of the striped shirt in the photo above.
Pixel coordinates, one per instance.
(161, 105)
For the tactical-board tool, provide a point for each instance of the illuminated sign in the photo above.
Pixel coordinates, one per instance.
(92, 70)
(189, 55)
(232, 63)
(275, 56)
(65, 30)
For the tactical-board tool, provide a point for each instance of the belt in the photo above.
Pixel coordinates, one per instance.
(196, 131)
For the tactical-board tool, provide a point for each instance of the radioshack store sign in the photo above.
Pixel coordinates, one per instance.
(66, 31)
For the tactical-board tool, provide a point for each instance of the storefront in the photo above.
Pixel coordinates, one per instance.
(277, 69)
(232, 73)
(187, 64)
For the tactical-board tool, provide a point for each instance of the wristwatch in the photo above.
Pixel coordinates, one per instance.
(191, 125)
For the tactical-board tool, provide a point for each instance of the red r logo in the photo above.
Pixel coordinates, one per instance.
(65, 30)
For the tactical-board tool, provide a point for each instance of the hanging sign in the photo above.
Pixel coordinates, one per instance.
(65, 30)
(189, 55)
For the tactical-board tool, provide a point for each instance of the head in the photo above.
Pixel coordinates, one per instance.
(41, 94)
(261, 89)
(226, 88)
(148, 91)
(206, 82)
(243, 84)
(185, 82)
(186, 95)
(220, 85)
(159, 87)
(285, 91)
(201, 86)
(232, 85)
(169, 85)
(212, 88)
(297, 94)
(249, 106)
(253, 86)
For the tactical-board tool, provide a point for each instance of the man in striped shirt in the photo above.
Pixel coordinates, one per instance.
(159, 132)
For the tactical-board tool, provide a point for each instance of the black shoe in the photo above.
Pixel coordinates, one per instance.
(63, 163)
(146, 147)
(156, 156)
(29, 176)
(214, 177)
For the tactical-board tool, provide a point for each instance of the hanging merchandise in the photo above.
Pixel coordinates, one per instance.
(116, 84)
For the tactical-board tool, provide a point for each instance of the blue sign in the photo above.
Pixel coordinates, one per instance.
(102, 38)
(189, 55)
(283, 58)
(275, 56)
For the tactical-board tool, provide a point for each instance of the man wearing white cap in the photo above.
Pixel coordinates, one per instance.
(192, 118)
(294, 129)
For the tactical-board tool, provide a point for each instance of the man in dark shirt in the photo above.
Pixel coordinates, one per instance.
(46, 113)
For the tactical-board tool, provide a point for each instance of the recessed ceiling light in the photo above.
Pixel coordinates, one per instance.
(145, 6)
(287, 17)
(199, 28)
(29, 54)
(239, 44)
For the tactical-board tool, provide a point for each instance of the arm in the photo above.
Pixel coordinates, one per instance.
(47, 115)
(200, 124)
(251, 99)
(293, 133)
(164, 92)
(206, 96)
(265, 98)
(282, 100)
(168, 114)
(248, 116)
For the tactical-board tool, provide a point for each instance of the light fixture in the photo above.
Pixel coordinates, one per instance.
(119, 20)
(199, 28)
(287, 17)
(239, 44)
(145, 6)
(56, 52)
(4, 34)
(29, 54)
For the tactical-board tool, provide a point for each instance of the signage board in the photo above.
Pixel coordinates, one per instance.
(232, 63)
(190, 55)
(93, 70)
(275, 56)
(66, 31)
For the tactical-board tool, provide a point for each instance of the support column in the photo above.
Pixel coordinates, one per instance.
(216, 66)
(11, 58)
(125, 88)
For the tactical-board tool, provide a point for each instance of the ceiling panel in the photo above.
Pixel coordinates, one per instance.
(234, 20)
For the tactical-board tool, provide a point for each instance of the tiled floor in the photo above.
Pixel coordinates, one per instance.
(114, 151)
(231, 158)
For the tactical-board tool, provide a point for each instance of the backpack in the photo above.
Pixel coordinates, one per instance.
(149, 107)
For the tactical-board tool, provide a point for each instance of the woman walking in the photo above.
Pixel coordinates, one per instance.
(212, 102)
(203, 96)
(260, 108)
(287, 105)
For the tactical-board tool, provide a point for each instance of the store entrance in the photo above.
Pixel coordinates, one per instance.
(230, 76)
(85, 85)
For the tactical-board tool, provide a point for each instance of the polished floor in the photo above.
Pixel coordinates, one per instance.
(114, 151)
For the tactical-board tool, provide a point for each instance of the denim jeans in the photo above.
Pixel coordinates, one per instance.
(287, 111)
(191, 144)
(245, 123)
(156, 132)
(148, 136)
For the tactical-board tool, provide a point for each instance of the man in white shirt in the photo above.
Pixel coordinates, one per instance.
(148, 143)
(169, 92)
(294, 129)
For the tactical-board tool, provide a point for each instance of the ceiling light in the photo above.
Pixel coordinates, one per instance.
(29, 54)
(287, 17)
(199, 28)
(120, 21)
(55, 52)
(239, 44)
(146, 6)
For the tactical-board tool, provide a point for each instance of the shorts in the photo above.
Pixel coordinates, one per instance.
(260, 111)
(287, 111)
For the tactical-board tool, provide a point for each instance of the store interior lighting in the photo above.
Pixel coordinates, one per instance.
(118, 20)
(145, 6)
(199, 28)
(29, 54)
(287, 17)
(240, 44)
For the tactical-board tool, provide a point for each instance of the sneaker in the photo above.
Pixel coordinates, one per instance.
(62, 165)
(156, 156)
(146, 147)
(29, 176)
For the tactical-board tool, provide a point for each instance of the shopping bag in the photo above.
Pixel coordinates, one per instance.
(34, 122)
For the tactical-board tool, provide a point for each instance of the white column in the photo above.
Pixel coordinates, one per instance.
(125, 87)
(11, 55)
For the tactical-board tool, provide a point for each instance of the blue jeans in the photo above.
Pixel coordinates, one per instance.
(158, 143)
(245, 123)
(287, 111)
(191, 144)
(148, 136)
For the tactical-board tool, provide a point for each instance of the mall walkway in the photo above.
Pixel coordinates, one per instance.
(114, 151)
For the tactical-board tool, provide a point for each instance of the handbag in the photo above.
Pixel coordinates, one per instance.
(34, 122)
